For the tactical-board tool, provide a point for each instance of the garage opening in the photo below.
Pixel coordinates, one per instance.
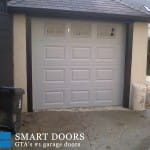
(77, 63)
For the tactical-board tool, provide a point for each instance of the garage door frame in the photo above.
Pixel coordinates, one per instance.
(128, 60)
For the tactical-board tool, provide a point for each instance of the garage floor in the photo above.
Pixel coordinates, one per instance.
(104, 130)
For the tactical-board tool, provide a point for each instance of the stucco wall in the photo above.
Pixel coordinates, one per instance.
(139, 54)
(19, 37)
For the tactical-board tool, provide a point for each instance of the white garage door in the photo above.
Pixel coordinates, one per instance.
(77, 63)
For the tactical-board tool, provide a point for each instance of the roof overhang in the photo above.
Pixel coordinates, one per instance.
(40, 12)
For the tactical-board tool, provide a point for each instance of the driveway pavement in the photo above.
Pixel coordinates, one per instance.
(104, 130)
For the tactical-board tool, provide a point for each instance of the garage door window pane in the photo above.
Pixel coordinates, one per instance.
(55, 29)
(106, 31)
(81, 30)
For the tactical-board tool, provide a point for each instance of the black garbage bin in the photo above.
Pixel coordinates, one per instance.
(10, 108)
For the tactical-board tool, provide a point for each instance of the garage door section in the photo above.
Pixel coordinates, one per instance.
(77, 63)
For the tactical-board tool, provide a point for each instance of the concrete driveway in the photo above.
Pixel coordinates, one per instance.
(104, 130)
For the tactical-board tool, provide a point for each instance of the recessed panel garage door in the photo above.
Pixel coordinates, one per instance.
(77, 63)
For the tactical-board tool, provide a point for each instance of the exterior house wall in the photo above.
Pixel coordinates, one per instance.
(139, 54)
(19, 42)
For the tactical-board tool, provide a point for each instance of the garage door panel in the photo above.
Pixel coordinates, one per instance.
(111, 55)
(104, 75)
(82, 96)
(55, 52)
(104, 95)
(105, 53)
(104, 84)
(80, 75)
(55, 75)
(83, 53)
(54, 97)
(76, 65)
